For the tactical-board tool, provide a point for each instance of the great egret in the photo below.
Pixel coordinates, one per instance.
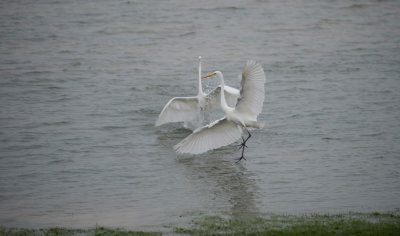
(188, 108)
(243, 116)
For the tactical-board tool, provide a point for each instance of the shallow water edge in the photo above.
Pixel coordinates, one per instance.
(351, 223)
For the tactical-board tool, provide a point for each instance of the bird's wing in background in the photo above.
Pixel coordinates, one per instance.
(179, 109)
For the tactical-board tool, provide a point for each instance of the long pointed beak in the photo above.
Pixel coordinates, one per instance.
(209, 75)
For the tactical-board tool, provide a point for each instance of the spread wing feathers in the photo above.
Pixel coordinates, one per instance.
(231, 96)
(217, 134)
(252, 90)
(179, 109)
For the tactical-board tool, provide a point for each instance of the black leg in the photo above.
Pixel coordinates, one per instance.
(247, 137)
(243, 145)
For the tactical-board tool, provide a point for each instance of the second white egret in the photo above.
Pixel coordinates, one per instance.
(183, 109)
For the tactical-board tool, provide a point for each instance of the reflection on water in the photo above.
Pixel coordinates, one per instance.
(229, 185)
(171, 135)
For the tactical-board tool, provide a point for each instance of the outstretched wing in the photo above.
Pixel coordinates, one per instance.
(231, 96)
(179, 109)
(252, 91)
(217, 134)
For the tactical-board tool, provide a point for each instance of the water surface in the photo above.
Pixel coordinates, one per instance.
(82, 84)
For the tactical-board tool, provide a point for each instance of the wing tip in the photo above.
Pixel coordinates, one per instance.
(179, 147)
(182, 148)
(253, 68)
(252, 64)
(158, 122)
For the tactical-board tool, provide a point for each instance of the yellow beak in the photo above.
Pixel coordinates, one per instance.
(209, 75)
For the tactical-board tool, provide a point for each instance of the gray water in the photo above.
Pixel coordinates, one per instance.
(82, 83)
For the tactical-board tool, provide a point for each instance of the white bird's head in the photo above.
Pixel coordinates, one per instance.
(214, 73)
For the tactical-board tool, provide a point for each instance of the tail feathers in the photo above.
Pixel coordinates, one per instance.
(254, 125)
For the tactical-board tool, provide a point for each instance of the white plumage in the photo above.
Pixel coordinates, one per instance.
(230, 128)
(182, 109)
(217, 134)
(252, 91)
(214, 97)
(179, 109)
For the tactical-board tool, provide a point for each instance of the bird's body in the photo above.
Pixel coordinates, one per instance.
(186, 109)
(241, 117)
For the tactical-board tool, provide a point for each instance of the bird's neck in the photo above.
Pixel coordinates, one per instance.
(200, 87)
(224, 105)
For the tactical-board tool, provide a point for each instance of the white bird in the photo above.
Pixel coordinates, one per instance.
(241, 117)
(186, 109)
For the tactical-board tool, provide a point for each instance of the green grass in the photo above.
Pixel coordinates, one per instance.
(311, 224)
(272, 224)
(98, 231)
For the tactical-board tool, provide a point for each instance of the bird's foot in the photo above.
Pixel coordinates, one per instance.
(242, 145)
(240, 158)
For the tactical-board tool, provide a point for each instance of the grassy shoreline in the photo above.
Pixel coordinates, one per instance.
(273, 224)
